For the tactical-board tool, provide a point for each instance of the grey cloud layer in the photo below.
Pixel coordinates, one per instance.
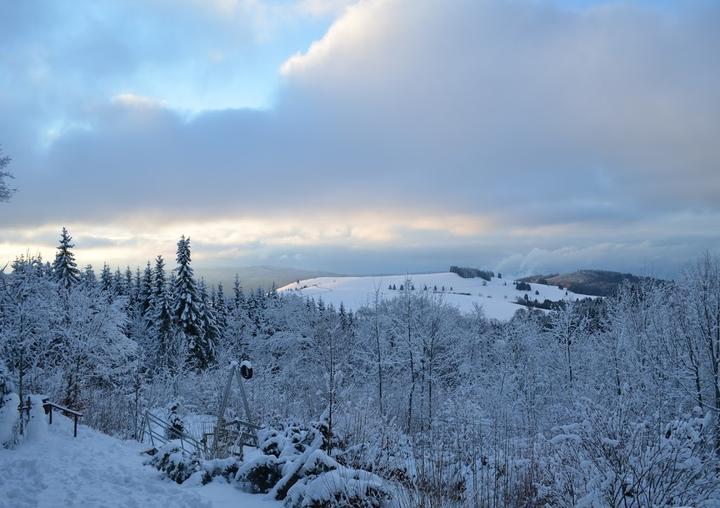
(529, 114)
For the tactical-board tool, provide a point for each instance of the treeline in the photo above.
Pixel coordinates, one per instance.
(81, 331)
(471, 273)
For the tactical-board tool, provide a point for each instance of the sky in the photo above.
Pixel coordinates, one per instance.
(364, 136)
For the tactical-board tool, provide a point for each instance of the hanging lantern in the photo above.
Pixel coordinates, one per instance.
(246, 370)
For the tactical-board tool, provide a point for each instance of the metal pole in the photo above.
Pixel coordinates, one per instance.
(244, 397)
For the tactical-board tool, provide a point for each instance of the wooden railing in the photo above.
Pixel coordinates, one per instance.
(48, 407)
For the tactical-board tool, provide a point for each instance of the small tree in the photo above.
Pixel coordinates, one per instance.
(5, 191)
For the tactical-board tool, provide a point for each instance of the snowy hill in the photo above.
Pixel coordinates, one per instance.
(497, 296)
(51, 468)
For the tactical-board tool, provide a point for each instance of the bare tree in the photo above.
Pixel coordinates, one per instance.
(5, 191)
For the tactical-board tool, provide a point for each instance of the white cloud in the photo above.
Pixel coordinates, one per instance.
(131, 100)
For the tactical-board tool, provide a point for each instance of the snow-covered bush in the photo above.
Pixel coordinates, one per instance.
(296, 460)
(610, 461)
(180, 466)
(260, 474)
(339, 486)
(174, 462)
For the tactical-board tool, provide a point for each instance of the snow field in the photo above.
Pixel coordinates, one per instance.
(53, 469)
(496, 297)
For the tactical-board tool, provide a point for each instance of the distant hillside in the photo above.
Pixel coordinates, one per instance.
(498, 298)
(252, 277)
(586, 282)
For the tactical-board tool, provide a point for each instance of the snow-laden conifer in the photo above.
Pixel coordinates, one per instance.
(65, 268)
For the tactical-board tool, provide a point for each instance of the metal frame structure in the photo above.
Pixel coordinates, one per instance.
(245, 431)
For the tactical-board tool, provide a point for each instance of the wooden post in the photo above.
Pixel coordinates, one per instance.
(75, 427)
(50, 414)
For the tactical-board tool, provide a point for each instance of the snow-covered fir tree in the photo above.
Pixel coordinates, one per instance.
(87, 277)
(106, 279)
(145, 291)
(238, 294)
(164, 346)
(188, 322)
(209, 326)
(64, 267)
(221, 310)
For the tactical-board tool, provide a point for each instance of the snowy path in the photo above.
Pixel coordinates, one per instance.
(95, 470)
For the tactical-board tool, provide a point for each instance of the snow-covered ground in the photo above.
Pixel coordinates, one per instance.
(51, 469)
(497, 297)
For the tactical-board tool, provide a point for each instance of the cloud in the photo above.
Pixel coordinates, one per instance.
(132, 100)
(493, 125)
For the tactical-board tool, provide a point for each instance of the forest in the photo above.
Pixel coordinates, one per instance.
(611, 402)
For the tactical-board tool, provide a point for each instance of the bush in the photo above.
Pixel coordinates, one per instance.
(180, 466)
(339, 487)
(174, 462)
(260, 474)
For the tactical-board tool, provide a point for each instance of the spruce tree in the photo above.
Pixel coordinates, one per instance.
(106, 282)
(208, 320)
(160, 324)
(238, 295)
(146, 289)
(221, 310)
(159, 282)
(87, 278)
(187, 312)
(65, 268)
(119, 283)
(130, 287)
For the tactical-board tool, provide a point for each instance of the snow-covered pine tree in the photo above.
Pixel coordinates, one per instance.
(65, 268)
(257, 305)
(119, 283)
(106, 280)
(88, 278)
(238, 294)
(211, 332)
(165, 351)
(130, 287)
(146, 289)
(273, 294)
(187, 312)
(221, 310)
(159, 284)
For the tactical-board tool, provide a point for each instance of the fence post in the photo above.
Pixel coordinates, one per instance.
(51, 408)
